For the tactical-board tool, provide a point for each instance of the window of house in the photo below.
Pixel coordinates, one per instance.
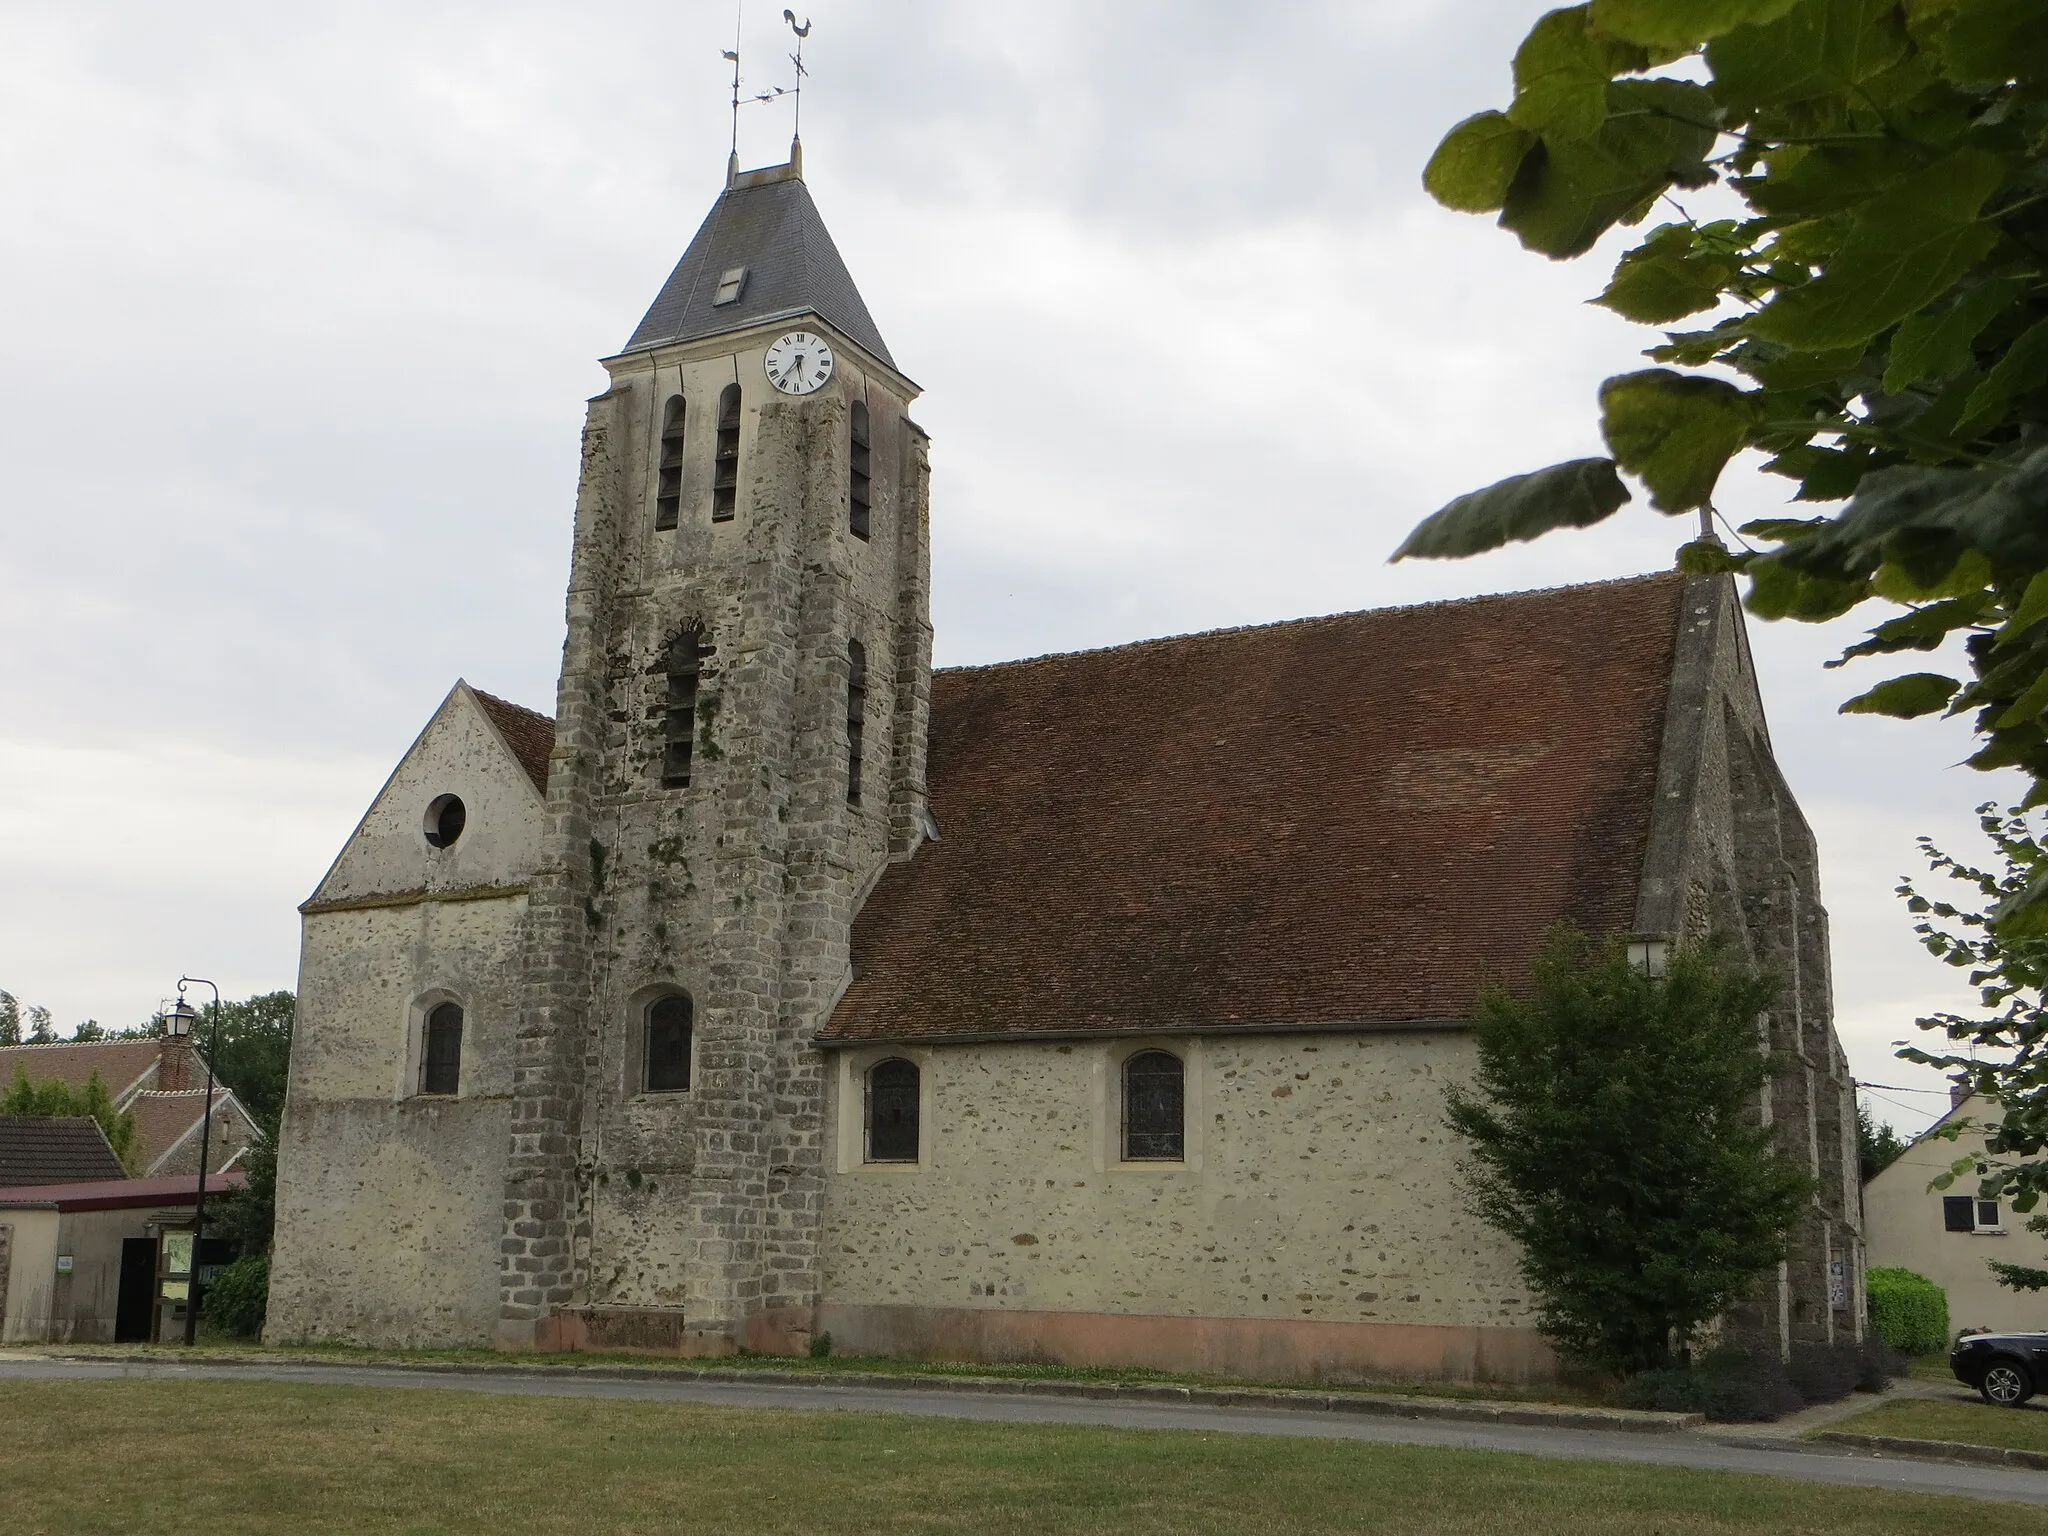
(860, 460)
(668, 1044)
(684, 667)
(1964, 1213)
(441, 1071)
(668, 494)
(1155, 1095)
(856, 715)
(725, 458)
(892, 1112)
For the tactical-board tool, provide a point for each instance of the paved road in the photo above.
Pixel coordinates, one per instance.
(2010, 1485)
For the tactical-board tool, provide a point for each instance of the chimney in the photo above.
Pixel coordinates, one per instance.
(174, 1063)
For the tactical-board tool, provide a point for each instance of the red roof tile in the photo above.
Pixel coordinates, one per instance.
(1349, 819)
(531, 736)
(118, 1062)
(163, 1119)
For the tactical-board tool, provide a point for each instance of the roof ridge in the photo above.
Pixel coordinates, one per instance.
(1316, 618)
(43, 1045)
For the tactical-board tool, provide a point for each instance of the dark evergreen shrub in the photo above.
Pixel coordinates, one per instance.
(237, 1300)
(1907, 1310)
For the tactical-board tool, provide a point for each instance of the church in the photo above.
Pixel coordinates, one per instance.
(779, 992)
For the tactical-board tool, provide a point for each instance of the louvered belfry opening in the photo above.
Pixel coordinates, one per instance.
(725, 460)
(668, 496)
(859, 482)
(668, 1044)
(685, 665)
(856, 715)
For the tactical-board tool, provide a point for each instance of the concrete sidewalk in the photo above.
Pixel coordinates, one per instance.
(977, 1401)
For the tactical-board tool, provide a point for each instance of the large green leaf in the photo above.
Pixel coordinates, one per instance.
(1666, 279)
(1681, 23)
(2023, 365)
(1992, 41)
(1899, 253)
(1818, 48)
(1475, 165)
(1561, 75)
(1576, 494)
(1905, 698)
(1572, 191)
(1674, 431)
(1999, 510)
(1937, 345)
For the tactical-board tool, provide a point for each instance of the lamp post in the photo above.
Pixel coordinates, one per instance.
(179, 1019)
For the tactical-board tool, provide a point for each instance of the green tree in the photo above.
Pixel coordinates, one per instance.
(55, 1097)
(2001, 1051)
(248, 1217)
(1614, 1134)
(1878, 1146)
(254, 1051)
(10, 1019)
(1876, 322)
(40, 1030)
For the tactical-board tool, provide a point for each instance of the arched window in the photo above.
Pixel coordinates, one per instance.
(684, 666)
(856, 715)
(858, 487)
(441, 1068)
(1155, 1098)
(668, 494)
(892, 1111)
(725, 461)
(668, 1044)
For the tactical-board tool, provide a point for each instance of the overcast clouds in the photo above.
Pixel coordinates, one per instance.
(302, 304)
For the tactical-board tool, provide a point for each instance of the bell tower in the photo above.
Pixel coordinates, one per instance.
(739, 753)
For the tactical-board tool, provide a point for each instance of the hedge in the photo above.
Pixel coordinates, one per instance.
(239, 1296)
(1908, 1311)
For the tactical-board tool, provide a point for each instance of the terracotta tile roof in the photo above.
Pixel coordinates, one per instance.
(162, 1119)
(55, 1150)
(531, 736)
(118, 1062)
(1333, 820)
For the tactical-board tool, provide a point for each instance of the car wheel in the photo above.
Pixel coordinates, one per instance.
(2006, 1384)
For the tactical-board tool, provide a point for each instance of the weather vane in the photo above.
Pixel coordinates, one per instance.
(774, 92)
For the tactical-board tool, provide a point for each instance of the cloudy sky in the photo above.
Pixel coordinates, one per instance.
(302, 304)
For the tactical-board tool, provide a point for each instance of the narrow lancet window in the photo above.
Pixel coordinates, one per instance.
(668, 494)
(1155, 1098)
(725, 462)
(441, 1068)
(856, 715)
(892, 1112)
(679, 719)
(859, 486)
(668, 1044)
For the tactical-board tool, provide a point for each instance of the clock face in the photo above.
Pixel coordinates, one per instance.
(799, 363)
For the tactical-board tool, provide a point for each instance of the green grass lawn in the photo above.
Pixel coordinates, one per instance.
(1575, 1393)
(223, 1457)
(1968, 1420)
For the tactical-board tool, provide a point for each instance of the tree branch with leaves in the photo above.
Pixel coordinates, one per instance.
(1876, 324)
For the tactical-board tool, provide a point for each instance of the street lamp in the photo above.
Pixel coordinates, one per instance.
(179, 1019)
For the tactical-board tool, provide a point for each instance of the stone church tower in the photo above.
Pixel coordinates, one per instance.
(739, 753)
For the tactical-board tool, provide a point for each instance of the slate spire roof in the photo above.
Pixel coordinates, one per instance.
(766, 223)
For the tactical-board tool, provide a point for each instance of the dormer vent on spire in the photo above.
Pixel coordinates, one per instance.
(762, 254)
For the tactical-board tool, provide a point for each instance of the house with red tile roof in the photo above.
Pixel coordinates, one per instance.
(162, 1083)
(1092, 1008)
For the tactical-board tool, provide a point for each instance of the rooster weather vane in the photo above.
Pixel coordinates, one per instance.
(794, 91)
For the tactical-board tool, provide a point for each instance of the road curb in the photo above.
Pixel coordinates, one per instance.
(1936, 1450)
(1550, 1416)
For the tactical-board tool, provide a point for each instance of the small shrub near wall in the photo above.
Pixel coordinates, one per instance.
(1732, 1386)
(236, 1301)
(1908, 1311)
